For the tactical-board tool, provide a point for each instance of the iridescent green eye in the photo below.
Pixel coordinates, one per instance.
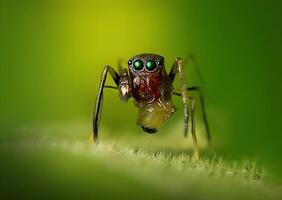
(151, 65)
(138, 64)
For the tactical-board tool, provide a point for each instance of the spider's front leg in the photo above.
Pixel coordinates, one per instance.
(99, 99)
(177, 67)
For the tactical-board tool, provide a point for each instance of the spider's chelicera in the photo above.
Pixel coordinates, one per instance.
(147, 82)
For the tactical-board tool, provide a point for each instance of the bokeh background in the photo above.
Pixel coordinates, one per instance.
(53, 52)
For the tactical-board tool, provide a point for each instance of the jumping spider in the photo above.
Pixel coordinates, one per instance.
(147, 81)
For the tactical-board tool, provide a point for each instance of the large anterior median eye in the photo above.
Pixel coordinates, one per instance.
(151, 65)
(138, 64)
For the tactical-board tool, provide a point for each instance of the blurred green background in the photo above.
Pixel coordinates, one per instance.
(53, 52)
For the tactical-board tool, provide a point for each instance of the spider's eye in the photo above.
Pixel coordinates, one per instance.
(129, 62)
(151, 65)
(138, 64)
(160, 63)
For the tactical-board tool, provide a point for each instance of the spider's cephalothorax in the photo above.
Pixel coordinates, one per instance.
(147, 81)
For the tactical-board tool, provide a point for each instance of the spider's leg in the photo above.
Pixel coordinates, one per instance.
(204, 114)
(111, 87)
(99, 99)
(198, 89)
(191, 58)
(193, 130)
(178, 67)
